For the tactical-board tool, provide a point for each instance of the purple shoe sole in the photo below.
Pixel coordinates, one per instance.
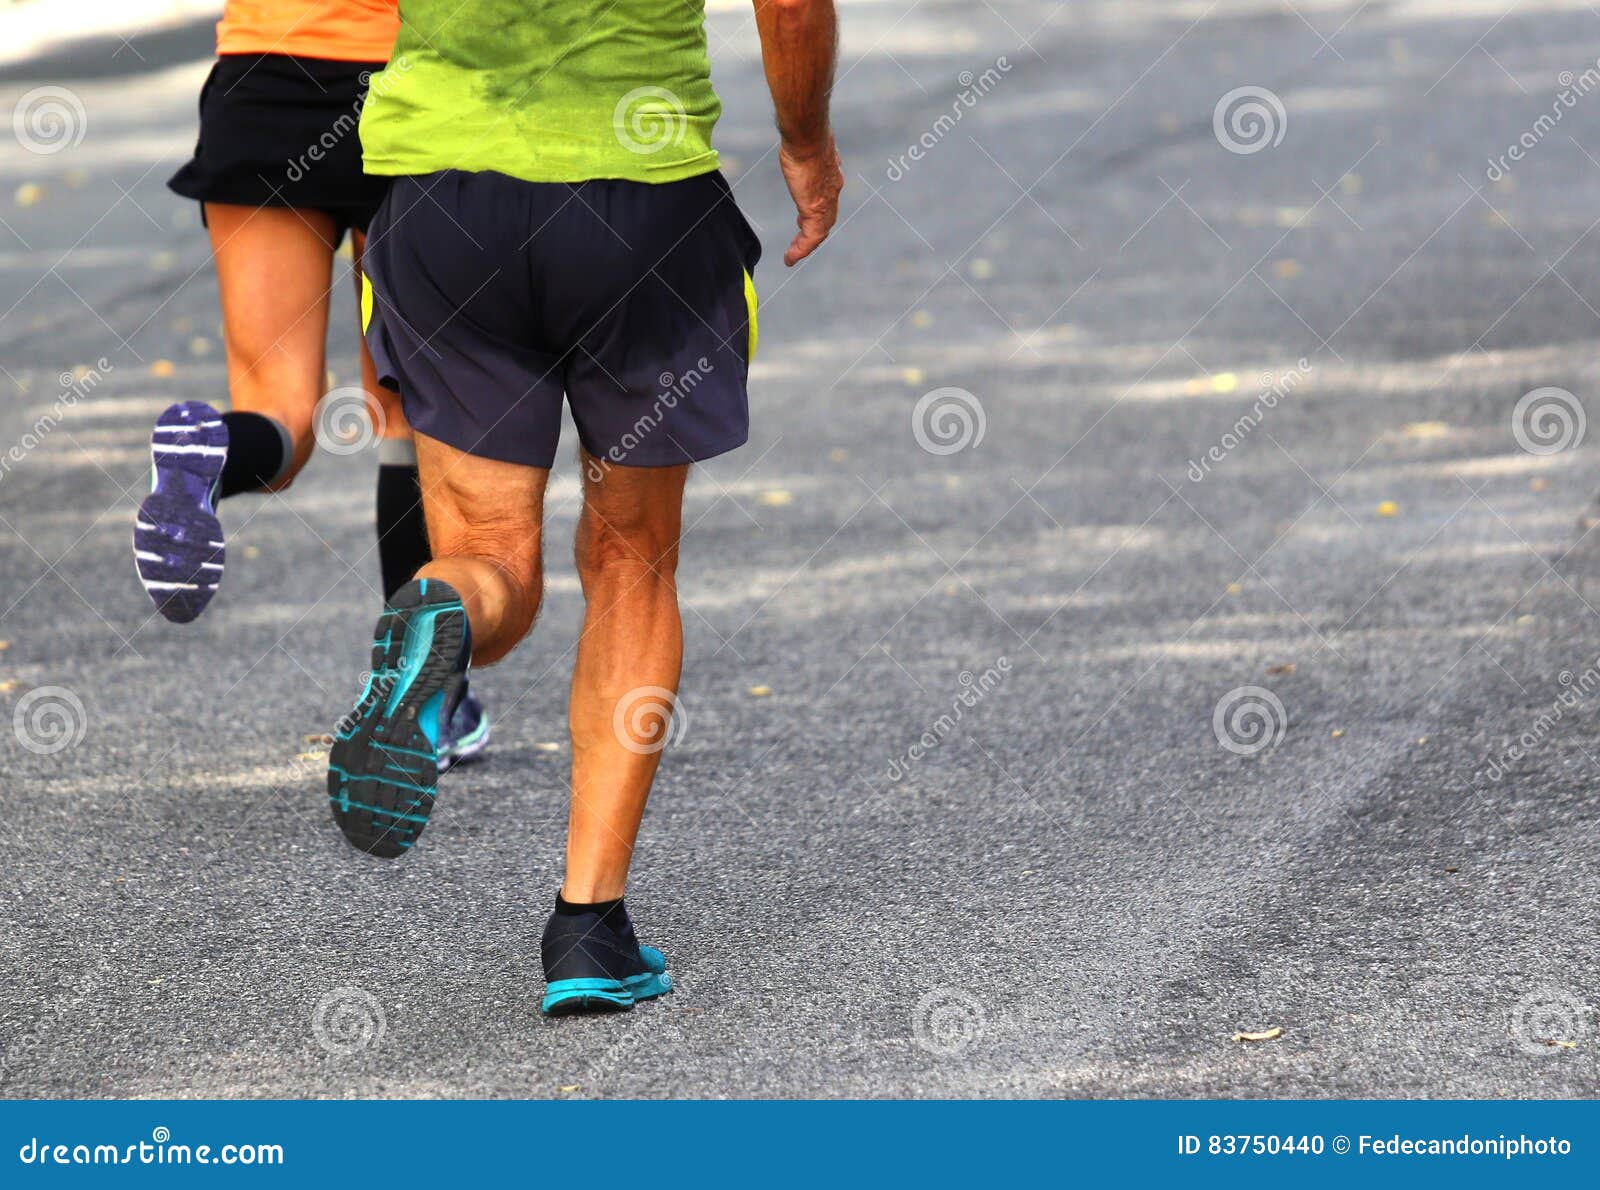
(177, 539)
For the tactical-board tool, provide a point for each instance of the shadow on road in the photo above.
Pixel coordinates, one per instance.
(110, 57)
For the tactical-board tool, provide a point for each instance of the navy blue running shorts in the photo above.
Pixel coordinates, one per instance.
(486, 298)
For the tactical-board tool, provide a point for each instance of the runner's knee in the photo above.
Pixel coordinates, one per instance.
(626, 541)
(508, 543)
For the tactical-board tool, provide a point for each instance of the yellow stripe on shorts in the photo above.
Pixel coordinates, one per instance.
(752, 304)
(366, 303)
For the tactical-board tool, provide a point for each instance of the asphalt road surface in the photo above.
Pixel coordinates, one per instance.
(972, 794)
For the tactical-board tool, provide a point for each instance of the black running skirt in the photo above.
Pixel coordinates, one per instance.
(280, 131)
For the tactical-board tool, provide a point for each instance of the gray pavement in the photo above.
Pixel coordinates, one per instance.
(1091, 877)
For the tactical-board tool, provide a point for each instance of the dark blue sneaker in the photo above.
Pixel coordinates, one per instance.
(466, 733)
(595, 964)
(177, 539)
(383, 767)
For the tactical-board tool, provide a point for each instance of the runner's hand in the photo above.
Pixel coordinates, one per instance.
(815, 180)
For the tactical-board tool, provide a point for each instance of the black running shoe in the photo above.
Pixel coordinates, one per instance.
(177, 539)
(595, 964)
(383, 767)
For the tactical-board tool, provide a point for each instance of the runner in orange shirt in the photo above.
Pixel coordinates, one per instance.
(277, 170)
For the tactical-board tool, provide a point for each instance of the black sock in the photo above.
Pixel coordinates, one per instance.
(612, 911)
(258, 451)
(402, 532)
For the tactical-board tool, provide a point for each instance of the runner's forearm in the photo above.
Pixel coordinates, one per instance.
(799, 40)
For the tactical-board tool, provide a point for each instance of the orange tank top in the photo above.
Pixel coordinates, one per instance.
(343, 30)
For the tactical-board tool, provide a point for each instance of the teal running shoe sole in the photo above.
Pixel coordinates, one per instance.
(569, 997)
(383, 768)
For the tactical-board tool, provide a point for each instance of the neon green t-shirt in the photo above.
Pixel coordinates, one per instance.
(545, 90)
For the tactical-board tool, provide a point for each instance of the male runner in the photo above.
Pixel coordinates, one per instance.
(557, 225)
(277, 171)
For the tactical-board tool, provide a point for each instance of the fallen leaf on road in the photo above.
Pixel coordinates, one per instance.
(1286, 268)
(1561, 1045)
(1338, 732)
(1271, 1034)
(759, 691)
(1286, 668)
(1425, 429)
(571, 1088)
(1388, 508)
(28, 193)
(1538, 485)
(776, 498)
